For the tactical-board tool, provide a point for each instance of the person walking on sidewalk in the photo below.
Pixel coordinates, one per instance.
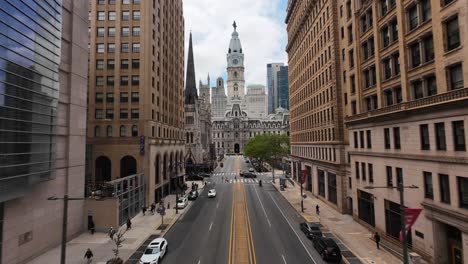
(88, 256)
(129, 224)
(143, 209)
(153, 207)
(317, 209)
(377, 239)
(92, 227)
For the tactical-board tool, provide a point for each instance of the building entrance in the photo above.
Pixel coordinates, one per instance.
(236, 148)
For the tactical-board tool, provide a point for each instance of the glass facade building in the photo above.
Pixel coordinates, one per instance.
(283, 87)
(30, 48)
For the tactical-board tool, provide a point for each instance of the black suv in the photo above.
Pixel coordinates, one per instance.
(311, 230)
(193, 195)
(248, 175)
(328, 249)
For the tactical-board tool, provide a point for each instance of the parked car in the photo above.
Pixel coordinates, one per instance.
(182, 203)
(212, 193)
(328, 249)
(311, 230)
(193, 195)
(155, 251)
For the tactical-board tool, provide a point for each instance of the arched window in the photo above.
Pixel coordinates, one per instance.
(97, 131)
(109, 131)
(134, 131)
(122, 131)
(235, 74)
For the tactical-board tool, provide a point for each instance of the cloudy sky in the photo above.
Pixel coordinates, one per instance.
(261, 28)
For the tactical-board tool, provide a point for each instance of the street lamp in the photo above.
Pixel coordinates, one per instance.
(65, 199)
(400, 188)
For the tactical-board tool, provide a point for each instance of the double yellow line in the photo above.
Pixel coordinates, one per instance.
(241, 245)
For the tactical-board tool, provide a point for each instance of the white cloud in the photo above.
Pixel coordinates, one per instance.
(261, 30)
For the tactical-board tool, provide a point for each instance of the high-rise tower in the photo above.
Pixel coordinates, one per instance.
(235, 68)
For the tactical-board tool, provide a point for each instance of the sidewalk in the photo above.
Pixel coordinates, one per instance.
(101, 245)
(356, 237)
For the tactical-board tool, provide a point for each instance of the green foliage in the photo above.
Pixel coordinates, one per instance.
(267, 147)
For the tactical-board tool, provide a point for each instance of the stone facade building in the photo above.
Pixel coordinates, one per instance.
(136, 93)
(256, 101)
(42, 124)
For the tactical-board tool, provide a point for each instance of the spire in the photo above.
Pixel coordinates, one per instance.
(235, 45)
(190, 83)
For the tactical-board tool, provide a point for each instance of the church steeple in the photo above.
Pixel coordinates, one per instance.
(190, 83)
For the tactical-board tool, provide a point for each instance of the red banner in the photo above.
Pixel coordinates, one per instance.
(411, 215)
(304, 175)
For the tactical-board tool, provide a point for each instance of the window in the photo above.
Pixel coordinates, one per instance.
(99, 80)
(455, 77)
(428, 188)
(124, 80)
(446, 2)
(136, 31)
(135, 64)
(111, 16)
(396, 137)
(136, 15)
(109, 113)
(135, 80)
(444, 185)
(413, 17)
(361, 138)
(463, 192)
(363, 169)
(425, 10)
(111, 47)
(124, 47)
(111, 2)
(452, 32)
(125, 15)
(97, 131)
(356, 144)
(110, 80)
(98, 98)
(399, 174)
(101, 15)
(123, 113)
(350, 33)
(125, 2)
(101, 2)
(431, 86)
(125, 31)
(111, 31)
(370, 167)
(109, 131)
(353, 107)
(424, 134)
(109, 97)
(123, 97)
(459, 135)
(136, 47)
(134, 131)
(385, 33)
(135, 113)
(100, 32)
(428, 44)
(440, 136)
(356, 165)
(98, 114)
(124, 64)
(122, 131)
(135, 97)
(415, 54)
(387, 138)
(417, 89)
(389, 176)
(100, 48)
(369, 139)
(352, 80)
(99, 64)
(351, 58)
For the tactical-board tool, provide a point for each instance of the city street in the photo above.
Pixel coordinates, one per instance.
(207, 234)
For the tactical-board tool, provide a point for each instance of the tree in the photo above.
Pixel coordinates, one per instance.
(117, 239)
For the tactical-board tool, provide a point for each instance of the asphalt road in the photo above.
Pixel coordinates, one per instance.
(202, 234)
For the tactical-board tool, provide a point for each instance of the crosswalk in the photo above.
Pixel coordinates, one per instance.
(233, 174)
(241, 180)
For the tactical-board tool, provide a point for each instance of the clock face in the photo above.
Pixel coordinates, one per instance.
(235, 61)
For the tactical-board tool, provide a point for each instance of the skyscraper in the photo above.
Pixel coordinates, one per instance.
(43, 77)
(136, 92)
(272, 86)
(283, 87)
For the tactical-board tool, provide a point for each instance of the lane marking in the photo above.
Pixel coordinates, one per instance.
(281, 211)
(211, 225)
(217, 205)
(284, 259)
(249, 227)
(232, 225)
(264, 211)
(199, 261)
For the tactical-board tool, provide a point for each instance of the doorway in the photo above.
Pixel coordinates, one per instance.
(236, 148)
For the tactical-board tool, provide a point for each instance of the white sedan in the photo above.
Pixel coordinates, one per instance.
(155, 251)
(212, 193)
(182, 203)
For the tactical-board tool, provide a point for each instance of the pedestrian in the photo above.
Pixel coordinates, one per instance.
(317, 209)
(111, 233)
(129, 224)
(377, 239)
(153, 207)
(143, 209)
(88, 256)
(92, 227)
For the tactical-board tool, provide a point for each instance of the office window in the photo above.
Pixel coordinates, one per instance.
(356, 144)
(385, 33)
(123, 113)
(97, 131)
(388, 97)
(356, 167)
(111, 31)
(135, 64)
(458, 135)
(387, 138)
(431, 86)
(124, 97)
(452, 32)
(125, 15)
(361, 138)
(101, 15)
(424, 135)
(101, 2)
(124, 47)
(463, 192)
(136, 47)
(135, 80)
(111, 47)
(98, 114)
(135, 97)
(353, 107)
(455, 76)
(110, 80)
(415, 51)
(111, 16)
(125, 2)
(135, 113)
(134, 131)
(109, 113)
(98, 98)
(109, 97)
(363, 170)
(425, 10)
(136, 2)
(136, 15)
(446, 2)
(413, 20)
(396, 63)
(111, 2)
(124, 64)
(109, 131)
(440, 136)
(428, 43)
(369, 139)
(396, 137)
(136, 31)
(351, 58)
(125, 31)
(352, 80)
(428, 188)
(370, 167)
(122, 131)
(417, 89)
(99, 80)
(100, 48)
(110, 66)
(350, 33)
(399, 174)
(99, 64)
(388, 169)
(124, 80)
(444, 185)
(100, 32)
